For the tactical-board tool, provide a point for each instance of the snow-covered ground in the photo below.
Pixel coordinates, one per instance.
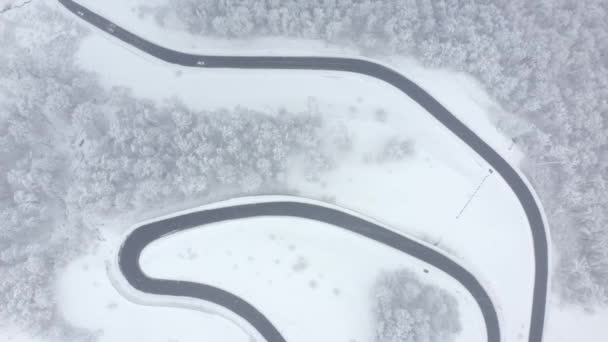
(569, 324)
(10, 334)
(89, 299)
(421, 195)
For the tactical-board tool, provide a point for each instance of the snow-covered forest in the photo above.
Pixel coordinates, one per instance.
(545, 62)
(73, 151)
(131, 153)
(407, 310)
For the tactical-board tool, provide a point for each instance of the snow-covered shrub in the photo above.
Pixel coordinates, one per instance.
(407, 310)
(395, 149)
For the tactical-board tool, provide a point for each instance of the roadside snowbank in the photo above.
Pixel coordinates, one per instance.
(90, 300)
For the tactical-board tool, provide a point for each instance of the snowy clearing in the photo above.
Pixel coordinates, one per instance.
(90, 300)
(590, 326)
(300, 273)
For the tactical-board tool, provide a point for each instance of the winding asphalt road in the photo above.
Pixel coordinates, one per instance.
(129, 255)
(142, 236)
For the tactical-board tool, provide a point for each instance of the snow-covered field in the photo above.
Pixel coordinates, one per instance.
(421, 195)
(302, 274)
(10, 334)
(89, 299)
(568, 324)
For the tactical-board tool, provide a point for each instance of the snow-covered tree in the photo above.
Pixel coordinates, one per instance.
(408, 310)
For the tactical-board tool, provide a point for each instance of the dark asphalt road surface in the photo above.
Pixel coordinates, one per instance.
(409, 88)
